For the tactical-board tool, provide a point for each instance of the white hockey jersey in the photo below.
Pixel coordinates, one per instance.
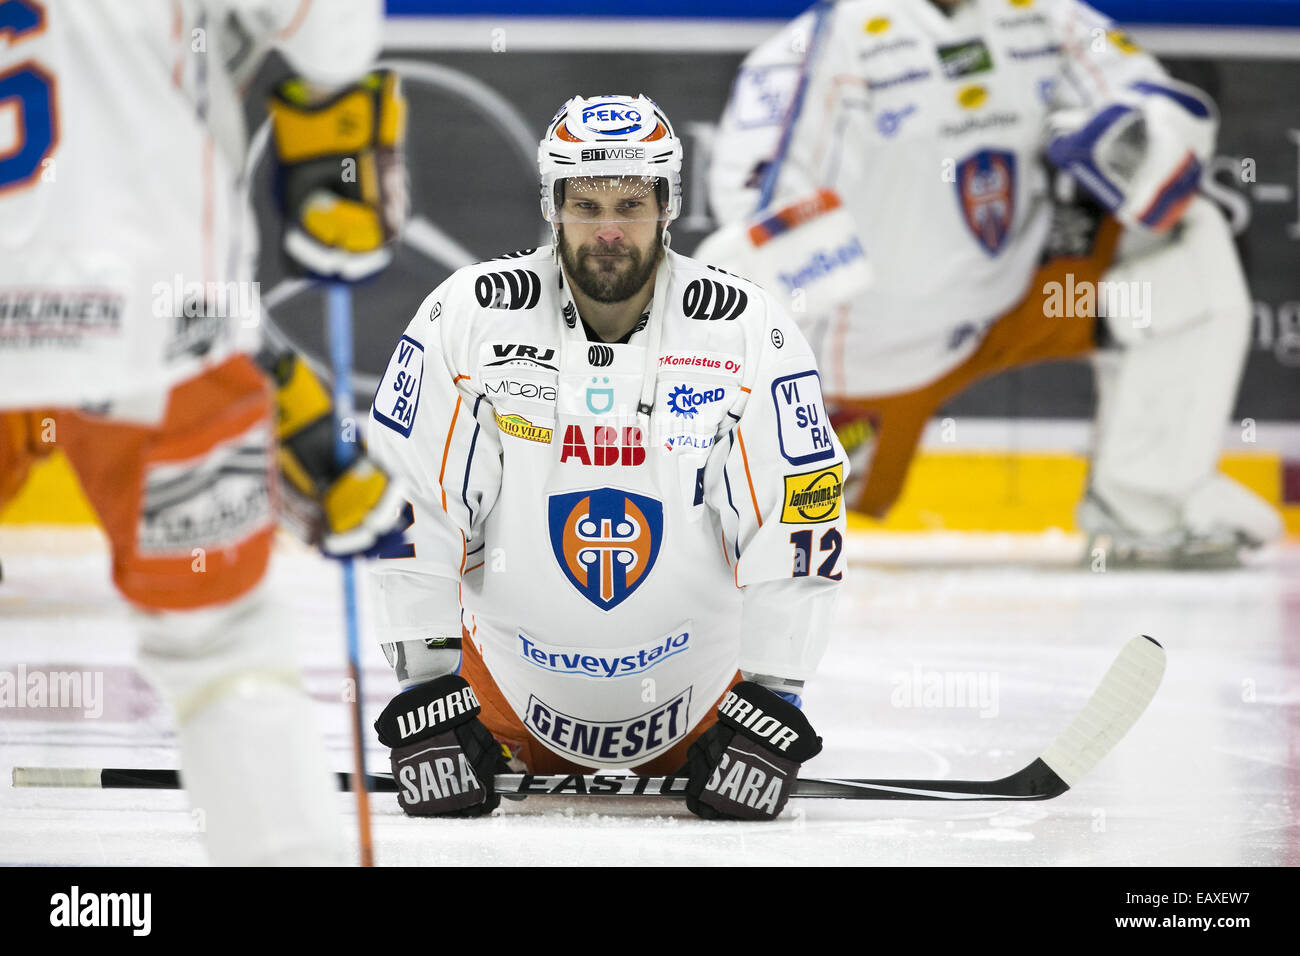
(625, 525)
(121, 148)
(931, 128)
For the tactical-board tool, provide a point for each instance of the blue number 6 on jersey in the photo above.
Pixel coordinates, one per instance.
(31, 90)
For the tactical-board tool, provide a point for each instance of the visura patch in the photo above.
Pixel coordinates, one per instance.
(803, 427)
(398, 395)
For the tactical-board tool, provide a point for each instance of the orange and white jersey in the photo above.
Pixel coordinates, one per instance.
(126, 238)
(931, 128)
(625, 524)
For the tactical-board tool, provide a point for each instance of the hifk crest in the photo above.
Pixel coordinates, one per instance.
(986, 192)
(606, 541)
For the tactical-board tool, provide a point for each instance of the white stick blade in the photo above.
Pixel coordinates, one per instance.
(1117, 703)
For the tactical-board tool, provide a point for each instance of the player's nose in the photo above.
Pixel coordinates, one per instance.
(609, 233)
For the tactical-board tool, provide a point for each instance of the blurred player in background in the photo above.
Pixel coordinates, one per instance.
(942, 126)
(127, 332)
(621, 469)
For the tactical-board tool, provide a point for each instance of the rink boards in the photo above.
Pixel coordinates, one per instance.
(947, 490)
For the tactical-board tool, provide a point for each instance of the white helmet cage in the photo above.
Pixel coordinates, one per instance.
(611, 136)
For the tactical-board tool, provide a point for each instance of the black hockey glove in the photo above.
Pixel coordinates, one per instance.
(745, 765)
(443, 757)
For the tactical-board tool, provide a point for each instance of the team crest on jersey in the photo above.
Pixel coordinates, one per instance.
(986, 192)
(606, 541)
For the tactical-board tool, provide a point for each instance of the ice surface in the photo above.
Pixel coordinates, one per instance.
(954, 656)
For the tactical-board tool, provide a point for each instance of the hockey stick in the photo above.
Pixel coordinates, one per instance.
(1116, 704)
(338, 299)
(767, 188)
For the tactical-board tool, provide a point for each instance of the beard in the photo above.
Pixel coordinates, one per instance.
(608, 273)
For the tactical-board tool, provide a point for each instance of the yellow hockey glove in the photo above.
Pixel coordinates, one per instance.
(353, 509)
(342, 180)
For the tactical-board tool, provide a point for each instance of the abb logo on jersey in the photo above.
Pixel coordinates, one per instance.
(608, 446)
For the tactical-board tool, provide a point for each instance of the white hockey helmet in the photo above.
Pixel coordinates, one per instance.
(611, 136)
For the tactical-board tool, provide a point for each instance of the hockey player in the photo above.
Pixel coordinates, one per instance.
(938, 123)
(125, 258)
(626, 533)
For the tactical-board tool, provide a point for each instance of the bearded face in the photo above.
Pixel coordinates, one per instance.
(610, 235)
